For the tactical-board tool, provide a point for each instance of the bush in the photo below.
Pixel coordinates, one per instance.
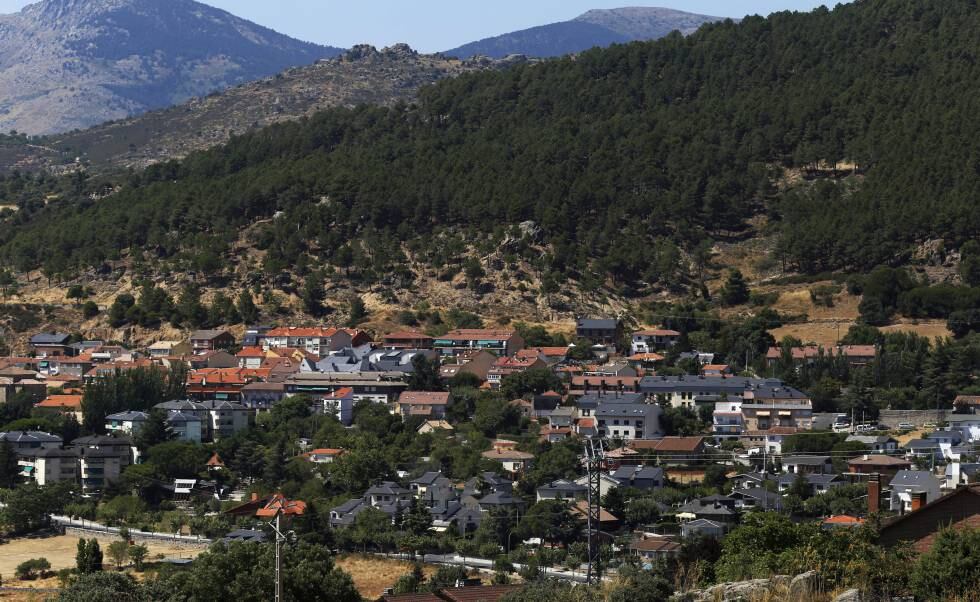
(32, 569)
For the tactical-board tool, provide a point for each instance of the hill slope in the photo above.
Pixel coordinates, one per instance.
(67, 64)
(363, 75)
(625, 158)
(596, 28)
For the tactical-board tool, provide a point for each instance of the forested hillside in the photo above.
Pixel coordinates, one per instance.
(624, 157)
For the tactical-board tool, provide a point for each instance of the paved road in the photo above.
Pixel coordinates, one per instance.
(483, 564)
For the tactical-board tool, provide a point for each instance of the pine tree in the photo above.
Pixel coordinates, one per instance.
(9, 468)
(736, 291)
(246, 308)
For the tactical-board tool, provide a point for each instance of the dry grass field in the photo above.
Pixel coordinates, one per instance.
(372, 576)
(60, 552)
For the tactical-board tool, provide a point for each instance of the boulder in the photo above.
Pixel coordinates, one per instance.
(804, 585)
(851, 595)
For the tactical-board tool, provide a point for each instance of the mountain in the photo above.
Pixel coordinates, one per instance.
(362, 75)
(839, 140)
(596, 28)
(67, 64)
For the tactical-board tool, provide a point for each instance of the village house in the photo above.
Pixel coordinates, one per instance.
(376, 387)
(807, 464)
(958, 510)
(876, 443)
(694, 391)
(210, 340)
(627, 421)
(432, 405)
(967, 404)
(649, 341)
(321, 341)
(407, 339)
(651, 549)
(913, 489)
(857, 356)
(607, 332)
(9, 387)
(880, 464)
(672, 450)
(223, 384)
(51, 344)
(513, 461)
(66, 405)
(582, 385)
(477, 363)
(324, 455)
(338, 403)
(498, 342)
(506, 366)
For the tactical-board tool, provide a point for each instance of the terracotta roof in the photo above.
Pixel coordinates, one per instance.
(408, 334)
(879, 460)
(467, 334)
(216, 461)
(645, 357)
(586, 422)
(655, 545)
(427, 398)
(61, 402)
(550, 351)
(301, 332)
(437, 424)
(279, 503)
(668, 444)
(967, 400)
(843, 519)
(483, 593)
(596, 381)
(327, 451)
(340, 393)
(507, 454)
(251, 352)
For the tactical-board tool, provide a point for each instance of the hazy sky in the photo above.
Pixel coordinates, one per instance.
(434, 25)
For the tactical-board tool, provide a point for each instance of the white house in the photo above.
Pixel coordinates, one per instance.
(130, 423)
(912, 489)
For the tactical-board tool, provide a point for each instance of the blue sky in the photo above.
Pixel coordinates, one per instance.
(433, 25)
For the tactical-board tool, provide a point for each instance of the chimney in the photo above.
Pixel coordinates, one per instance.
(918, 500)
(874, 493)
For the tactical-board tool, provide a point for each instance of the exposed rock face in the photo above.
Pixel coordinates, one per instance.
(779, 587)
(67, 64)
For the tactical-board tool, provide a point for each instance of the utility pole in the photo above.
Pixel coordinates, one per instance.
(593, 465)
(280, 539)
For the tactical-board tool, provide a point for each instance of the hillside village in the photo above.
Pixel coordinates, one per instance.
(491, 439)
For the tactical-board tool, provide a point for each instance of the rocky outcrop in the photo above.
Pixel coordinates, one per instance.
(779, 587)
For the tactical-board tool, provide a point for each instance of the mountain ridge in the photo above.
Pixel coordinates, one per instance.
(594, 28)
(69, 64)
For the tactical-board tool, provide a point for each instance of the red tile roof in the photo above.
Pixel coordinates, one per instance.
(73, 402)
(279, 503)
(251, 352)
(426, 398)
(669, 444)
(301, 332)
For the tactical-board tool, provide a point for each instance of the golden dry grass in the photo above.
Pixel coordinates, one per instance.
(60, 552)
(372, 576)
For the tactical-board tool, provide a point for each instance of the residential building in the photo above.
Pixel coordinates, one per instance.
(607, 332)
(225, 418)
(223, 384)
(377, 387)
(652, 549)
(648, 341)
(967, 404)
(434, 426)
(185, 427)
(324, 455)
(583, 385)
(210, 340)
(407, 339)
(628, 421)
(128, 423)
(162, 349)
(506, 366)
(254, 336)
(262, 396)
(958, 510)
(856, 356)
(672, 450)
(320, 341)
(513, 461)
(886, 466)
(499, 342)
(66, 405)
(118, 446)
(100, 467)
(338, 403)
(881, 444)
(51, 344)
(432, 405)
(768, 416)
(807, 464)
(10, 387)
(562, 489)
(817, 483)
(30, 441)
(640, 476)
(48, 466)
(692, 391)
(913, 489)
(703, 527)
(477, 363)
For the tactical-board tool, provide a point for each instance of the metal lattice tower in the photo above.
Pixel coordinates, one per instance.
(593, 465)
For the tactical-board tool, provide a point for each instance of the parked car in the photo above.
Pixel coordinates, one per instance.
(929, 425)
(906, 426)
